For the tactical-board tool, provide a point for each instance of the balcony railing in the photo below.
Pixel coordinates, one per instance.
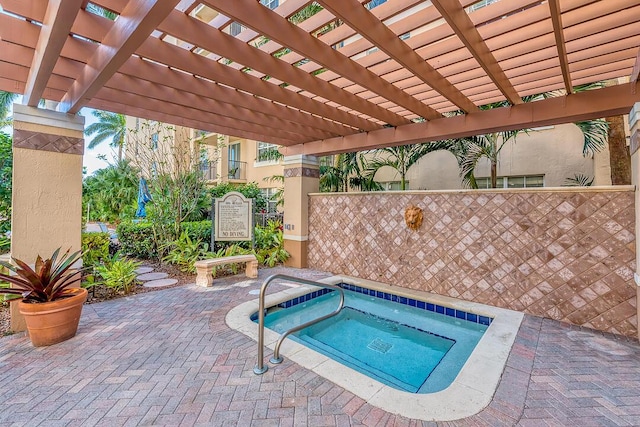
(209, 170)
(237, 170)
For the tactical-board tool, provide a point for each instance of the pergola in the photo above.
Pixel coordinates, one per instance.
(346, 78)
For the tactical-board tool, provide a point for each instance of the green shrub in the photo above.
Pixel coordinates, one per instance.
(95, 248)
(5, 245)
(197, 230)
(250, 190)
(118, 274)
(184, 252)
(269, 244)
(137, 240)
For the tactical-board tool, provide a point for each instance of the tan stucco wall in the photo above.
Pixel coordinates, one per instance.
(301, 179)
(47, 202)
(47, 188)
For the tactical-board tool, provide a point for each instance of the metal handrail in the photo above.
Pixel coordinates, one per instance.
(260, 368)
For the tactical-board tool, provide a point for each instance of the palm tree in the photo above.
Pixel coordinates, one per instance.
(470, 150)
(401, 158)
(109, 125)
(619, 156)
(345, 171)
(6, 100)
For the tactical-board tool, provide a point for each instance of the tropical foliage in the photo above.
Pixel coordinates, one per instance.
(469, 151)
(118, 274)
(249, 190)
(49, 280)
(184, 252)
(6, 168)
(6, 100)
(579, 180)
(110, 194)
(110, 126)
(269, 244)
(170, 162)
(401, 158)
(341, 171)
(95, 249)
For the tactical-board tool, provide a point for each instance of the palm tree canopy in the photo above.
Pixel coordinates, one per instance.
(6, 99)
(402, 157)
(109, 125)
(596, 135)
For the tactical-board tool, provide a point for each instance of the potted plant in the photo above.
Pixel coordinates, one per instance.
(50, 305)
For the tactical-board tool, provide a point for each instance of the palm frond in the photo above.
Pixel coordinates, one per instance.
(579, 180)
(596, 135)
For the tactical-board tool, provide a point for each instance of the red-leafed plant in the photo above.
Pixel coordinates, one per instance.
(48, 281)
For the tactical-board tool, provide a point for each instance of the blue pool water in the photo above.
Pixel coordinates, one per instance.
(399, 343)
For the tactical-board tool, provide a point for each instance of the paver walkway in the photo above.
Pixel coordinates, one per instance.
(167, 358)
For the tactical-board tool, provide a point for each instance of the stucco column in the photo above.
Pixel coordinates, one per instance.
(301, 177)
(47, 186)
(634, 127)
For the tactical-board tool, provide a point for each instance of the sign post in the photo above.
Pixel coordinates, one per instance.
(233, 220)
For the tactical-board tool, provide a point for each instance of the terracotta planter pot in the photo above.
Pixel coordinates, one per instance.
(53, 322)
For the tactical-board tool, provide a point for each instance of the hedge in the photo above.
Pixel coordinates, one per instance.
(136, 240)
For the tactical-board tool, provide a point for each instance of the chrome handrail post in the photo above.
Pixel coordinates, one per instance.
(260, 368)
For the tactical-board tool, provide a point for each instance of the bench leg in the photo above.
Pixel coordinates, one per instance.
(251, 269)
(204, 276)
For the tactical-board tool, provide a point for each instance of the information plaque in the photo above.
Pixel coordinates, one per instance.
(233, 221)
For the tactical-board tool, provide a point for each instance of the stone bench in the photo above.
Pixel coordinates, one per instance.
(204, 268)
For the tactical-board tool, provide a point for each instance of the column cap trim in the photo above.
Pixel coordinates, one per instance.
(301, 159)
(634, 115)
(40, 116)
(296, 238)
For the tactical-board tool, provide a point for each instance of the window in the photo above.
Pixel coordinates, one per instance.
(270, 194)
(530, 181)
(154, 141)
(234, 152)
(271, 4)
(267, 152)
(393, 185)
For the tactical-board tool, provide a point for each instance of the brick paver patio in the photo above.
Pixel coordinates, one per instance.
(167, 358)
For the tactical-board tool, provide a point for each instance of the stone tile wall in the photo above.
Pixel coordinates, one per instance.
(562, 254)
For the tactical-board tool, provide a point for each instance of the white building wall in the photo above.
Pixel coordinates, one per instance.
(555, 152)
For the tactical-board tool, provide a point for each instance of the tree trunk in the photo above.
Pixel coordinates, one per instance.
(619, 157)
(119, 153)
(494, 174)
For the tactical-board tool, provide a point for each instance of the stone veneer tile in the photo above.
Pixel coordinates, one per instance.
(569, 256)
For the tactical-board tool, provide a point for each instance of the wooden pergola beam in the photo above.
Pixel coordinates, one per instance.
(137, 21)
(58, 19)
(635, 73)
(463, 27)
(558, 31)
(586, 105)
(366, 24)
(199, 34)
(271, 25)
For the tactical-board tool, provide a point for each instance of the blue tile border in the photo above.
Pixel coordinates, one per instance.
(422, 305)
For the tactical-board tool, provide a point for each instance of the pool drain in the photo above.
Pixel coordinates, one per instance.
(379, 346)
